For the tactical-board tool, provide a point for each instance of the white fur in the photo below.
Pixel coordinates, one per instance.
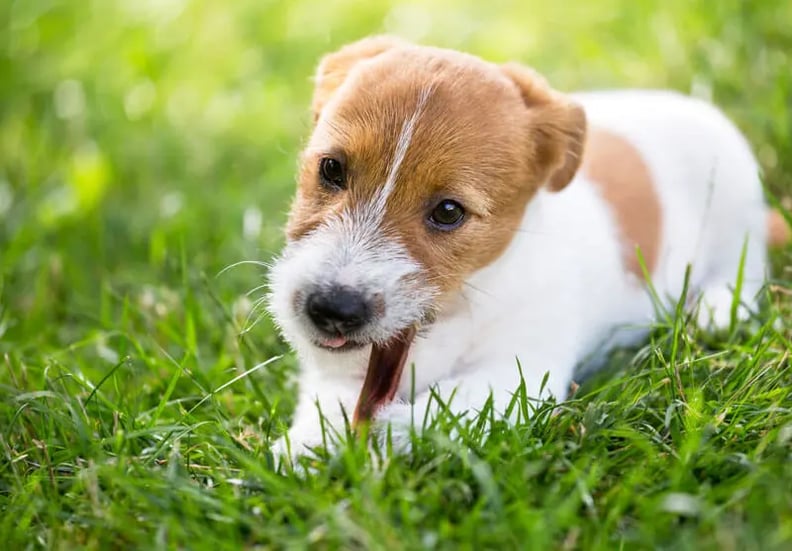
(559, 292)
(402, 144)
(347, 250)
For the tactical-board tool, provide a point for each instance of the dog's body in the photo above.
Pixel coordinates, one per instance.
(555, 280)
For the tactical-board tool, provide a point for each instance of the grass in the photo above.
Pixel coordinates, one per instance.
(146, 146)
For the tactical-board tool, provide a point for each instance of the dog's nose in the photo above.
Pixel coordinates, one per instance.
(337, 310)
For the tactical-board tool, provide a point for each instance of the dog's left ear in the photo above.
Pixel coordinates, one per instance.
(557, 126)
(334, 68)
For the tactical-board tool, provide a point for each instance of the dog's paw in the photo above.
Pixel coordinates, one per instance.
(393, 424)
(715, 309)
(281, 451)
(299, 442)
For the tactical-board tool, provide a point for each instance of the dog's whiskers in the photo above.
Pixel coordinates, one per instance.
(260, 263)
(479, 290)
(265, 285)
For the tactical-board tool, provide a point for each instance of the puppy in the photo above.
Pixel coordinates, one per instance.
(458, 216)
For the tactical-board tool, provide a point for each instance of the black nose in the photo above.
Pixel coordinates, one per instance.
(337, 310)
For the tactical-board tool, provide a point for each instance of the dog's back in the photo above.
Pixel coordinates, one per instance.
(706, 181)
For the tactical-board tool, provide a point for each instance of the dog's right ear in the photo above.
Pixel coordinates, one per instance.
(334, 68)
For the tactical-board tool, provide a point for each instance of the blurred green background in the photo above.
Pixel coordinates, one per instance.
(146, 145)
(140, 137)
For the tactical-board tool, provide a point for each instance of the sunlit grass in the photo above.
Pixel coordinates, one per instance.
(147, 146)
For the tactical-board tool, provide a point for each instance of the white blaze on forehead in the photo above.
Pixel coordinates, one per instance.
(402, 144)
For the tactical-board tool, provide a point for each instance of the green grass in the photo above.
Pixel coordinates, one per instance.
(136, 138)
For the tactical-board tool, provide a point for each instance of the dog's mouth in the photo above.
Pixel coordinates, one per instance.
(383, 375)
(339, 343)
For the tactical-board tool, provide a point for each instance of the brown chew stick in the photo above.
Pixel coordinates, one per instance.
(383, 375)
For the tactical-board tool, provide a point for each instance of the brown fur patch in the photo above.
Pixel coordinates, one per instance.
(778, 233)
(487, 137)
(622, 177)
(334, 68)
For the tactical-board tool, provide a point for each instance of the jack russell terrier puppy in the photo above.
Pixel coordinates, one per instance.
(457, 216)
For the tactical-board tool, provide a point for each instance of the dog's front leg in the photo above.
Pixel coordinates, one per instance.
(319, 418)
(466, 394)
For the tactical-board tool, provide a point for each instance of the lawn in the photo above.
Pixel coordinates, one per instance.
(145, 146)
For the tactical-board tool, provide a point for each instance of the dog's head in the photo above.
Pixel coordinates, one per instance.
(417, 174)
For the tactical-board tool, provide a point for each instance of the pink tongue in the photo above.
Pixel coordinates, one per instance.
(335, 342)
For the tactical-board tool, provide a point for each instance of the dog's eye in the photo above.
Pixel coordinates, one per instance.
(332, 173)
(447, 215)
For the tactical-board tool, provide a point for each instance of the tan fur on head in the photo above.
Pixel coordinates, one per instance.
(484, 135)
(334, 68)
